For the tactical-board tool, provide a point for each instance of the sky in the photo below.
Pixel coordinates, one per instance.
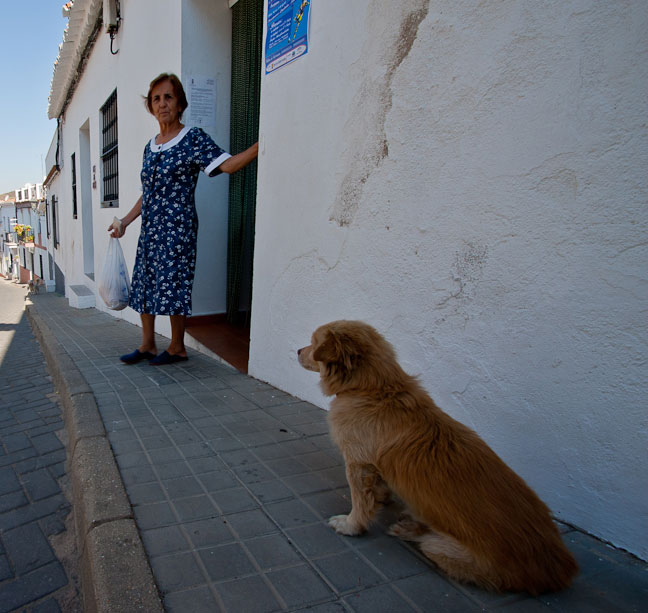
(31, 33)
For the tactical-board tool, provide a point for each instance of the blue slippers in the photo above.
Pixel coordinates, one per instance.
(136, 356)
(166, 358)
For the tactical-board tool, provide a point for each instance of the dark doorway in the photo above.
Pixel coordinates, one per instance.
(228, 335)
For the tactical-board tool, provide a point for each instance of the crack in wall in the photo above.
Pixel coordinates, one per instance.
(371, 106)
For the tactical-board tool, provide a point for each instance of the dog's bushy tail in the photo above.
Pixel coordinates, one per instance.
(552, 570)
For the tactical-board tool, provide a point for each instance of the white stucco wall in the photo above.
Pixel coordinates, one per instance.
(471, 180)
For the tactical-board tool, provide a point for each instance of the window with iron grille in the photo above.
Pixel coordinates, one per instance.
(47, 214)
(109, 157)
(74, 189)
(55, 221)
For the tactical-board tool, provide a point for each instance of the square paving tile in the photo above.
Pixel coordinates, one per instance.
(182, 488)
(170, 470)
(197, 600)
(169, 539)
(270, 491)
(253, 473)
(299, 585)
(329, 503)
(238, 457)
(195, 507)
(317, 540)
(155, 515)
(390, 556)
(291, 513)
(248, 595)
(208, 532)
(206, 464)
(347, 571)
(251, 523)
(176, 571)
(226, 562)
(164, 455)
(146, 493)
(430, 591)
(381, 599)
(157, 442)
(234, 500)
(218, 480)
(308, 483)
(285, 466)
(273, 551)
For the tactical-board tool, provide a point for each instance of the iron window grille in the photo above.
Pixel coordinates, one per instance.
(74, 188)
(109, 152)
(55, 221)
(47, 214)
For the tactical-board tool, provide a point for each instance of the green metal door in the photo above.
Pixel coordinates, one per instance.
(247, 32)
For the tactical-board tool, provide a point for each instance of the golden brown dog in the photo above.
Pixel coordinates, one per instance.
(470, 513)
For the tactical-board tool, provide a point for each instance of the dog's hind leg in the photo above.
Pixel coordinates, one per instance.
(408, 528)
(368, 493)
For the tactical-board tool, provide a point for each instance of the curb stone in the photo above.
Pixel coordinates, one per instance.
(115, 573)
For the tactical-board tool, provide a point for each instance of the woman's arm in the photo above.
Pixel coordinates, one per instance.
(240, 160)
(118, 230)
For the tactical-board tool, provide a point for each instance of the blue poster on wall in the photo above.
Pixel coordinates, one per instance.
(286, 33)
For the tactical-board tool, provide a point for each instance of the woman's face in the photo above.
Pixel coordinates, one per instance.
(164, 103)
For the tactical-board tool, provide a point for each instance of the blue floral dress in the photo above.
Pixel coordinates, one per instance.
(166, 251)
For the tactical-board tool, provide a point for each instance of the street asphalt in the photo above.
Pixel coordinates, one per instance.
(34, 542)
(198, 488)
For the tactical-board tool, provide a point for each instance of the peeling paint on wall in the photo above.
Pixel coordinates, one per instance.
(366, 126)
(469, 264)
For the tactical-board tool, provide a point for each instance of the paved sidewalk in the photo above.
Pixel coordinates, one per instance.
(231, 482)
(33, 508)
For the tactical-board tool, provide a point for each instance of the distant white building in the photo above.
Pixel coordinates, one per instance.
(469, 178)
(9, 267)
(23, 241)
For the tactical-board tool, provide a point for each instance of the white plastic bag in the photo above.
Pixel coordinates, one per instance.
(114, 285)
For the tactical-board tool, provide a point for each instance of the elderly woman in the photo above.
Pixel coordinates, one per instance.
(166, 251)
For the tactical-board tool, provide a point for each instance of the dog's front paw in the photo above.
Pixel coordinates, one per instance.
(342, 525)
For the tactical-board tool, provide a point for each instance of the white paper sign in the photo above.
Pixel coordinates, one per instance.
(202, 101)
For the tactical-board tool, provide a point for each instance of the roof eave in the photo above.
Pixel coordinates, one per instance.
(78, 38)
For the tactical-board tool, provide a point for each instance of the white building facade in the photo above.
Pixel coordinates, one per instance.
(9, 267)
(34, 247)
(23, 238)
(468, 178)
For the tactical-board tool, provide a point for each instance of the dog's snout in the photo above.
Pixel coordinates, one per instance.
(299, 351)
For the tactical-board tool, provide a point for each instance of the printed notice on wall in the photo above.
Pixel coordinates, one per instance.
(202, 101)
(287, 32)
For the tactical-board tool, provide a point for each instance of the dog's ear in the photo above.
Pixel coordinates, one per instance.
(329, 350)
(339, 349)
